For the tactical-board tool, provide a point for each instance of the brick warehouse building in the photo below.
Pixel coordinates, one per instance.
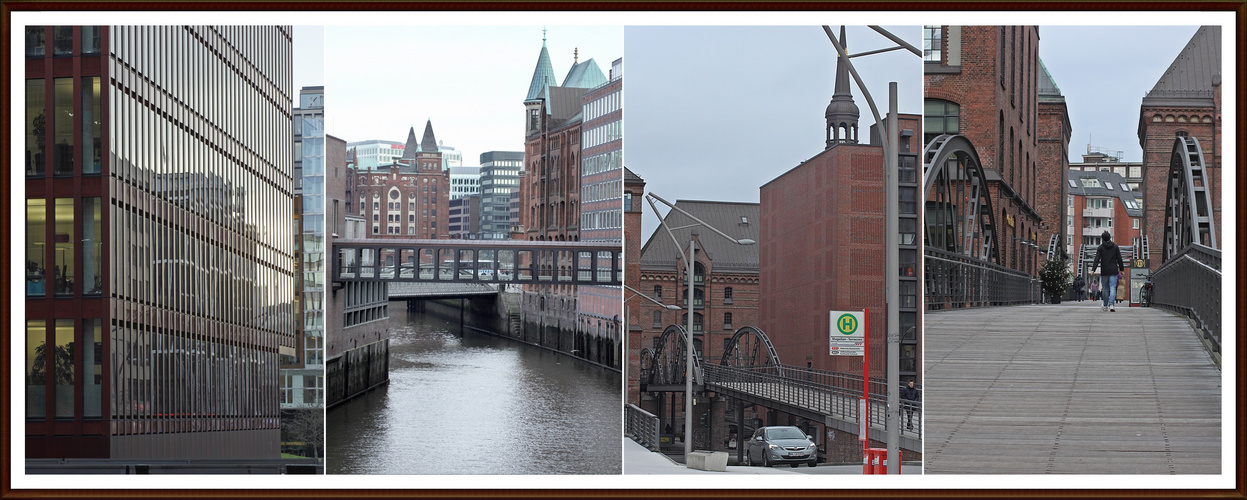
(409, 198)
(550, 190)
(725, 287)
(634, 193)
(139, 172)
(1186, 100)
(982, 82)
(1053, 133)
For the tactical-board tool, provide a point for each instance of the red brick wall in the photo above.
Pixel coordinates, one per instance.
(632, 277)
(1052, 163)
(999, 111)
(1157, 139)
(822, 238)
(408, 183)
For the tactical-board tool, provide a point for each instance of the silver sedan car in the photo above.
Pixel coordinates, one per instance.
(781, 444)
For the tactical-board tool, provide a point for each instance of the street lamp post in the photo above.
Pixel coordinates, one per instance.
(688, 267)
(889, 140)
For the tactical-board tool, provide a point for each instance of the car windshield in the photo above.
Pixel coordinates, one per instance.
(784, 433)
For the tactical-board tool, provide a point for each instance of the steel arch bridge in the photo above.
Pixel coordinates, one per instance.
(1188, 280)
(961, 249)
(1188, 209)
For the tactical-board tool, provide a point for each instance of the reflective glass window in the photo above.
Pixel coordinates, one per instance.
(940, 117)
(92, 245)
(34, 41)
(63, 269)
(63, 40)
(91, 151)
(93, 362)
(36, 126)
(36, 244)
(90, 39)
(63, 368)
(63, 123)
(36, 369)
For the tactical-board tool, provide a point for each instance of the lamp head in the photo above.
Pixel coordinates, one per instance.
(746, 241)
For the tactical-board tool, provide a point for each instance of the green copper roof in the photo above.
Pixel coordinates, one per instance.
(1047, 86)
(543, 75)
(585, 75)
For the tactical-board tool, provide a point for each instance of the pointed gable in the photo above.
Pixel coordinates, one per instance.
(585, 75)
(1048, 89)
(543, 75)
(1194, 73)
(429, 143)
(410, 149)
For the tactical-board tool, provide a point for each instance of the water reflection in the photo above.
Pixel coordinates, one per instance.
(476, 404)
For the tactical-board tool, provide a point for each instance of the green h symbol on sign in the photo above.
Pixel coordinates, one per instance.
(847, 324)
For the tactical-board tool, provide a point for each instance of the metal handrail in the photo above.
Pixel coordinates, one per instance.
(1189, 283)
(958, 281)
(642, 426)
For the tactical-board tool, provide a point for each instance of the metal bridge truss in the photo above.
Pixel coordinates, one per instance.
(1189, 280)
(459, 261)
(667, 362)
(961, 251)
(1188, 212)
(750, 348)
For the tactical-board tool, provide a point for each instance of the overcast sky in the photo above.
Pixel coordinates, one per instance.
(713, 113)
(380, 81)
(1104, 72)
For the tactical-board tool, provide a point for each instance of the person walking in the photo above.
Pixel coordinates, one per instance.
(1095, 290)
(1108, 255)
(1078, 284)
(909, 399)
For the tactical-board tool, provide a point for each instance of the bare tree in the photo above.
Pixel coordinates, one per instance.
(306, 424)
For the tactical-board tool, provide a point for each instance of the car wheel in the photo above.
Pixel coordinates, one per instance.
(766, 460)
(794, 464)
(813, 463)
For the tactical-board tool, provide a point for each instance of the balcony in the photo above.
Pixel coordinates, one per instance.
(1097, 212)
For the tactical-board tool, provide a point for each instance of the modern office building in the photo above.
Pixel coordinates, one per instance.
(500, 182)
(159, 290)
(464, 217)
(375, 152)
(302, 382)
(464, 181)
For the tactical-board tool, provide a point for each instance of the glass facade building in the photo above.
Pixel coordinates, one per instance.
(302, 382)
(500, 178)
(158, 286)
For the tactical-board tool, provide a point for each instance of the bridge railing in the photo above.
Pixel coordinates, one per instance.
(641, 426)
(825, 392)
(958, 281)
(479, 261)
(1189, 283)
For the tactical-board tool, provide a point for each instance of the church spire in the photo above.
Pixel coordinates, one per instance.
(842, 114)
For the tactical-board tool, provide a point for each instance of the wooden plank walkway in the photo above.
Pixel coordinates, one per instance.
(1068, 389)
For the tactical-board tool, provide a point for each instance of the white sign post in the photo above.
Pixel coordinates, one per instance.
(847, 335)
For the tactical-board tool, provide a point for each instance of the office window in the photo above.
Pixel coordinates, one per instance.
(63, 368)
(940, 117)
(63, 40)
(64, 246)
(36, 243)
(63, 126)
(932, 43)
(93, 363)
(36, 125)
(727, 321)
(90, 39)
(34, 41)
(657, 319)
(91, 124)
(36, 369)
(92, 246)
(727, 296)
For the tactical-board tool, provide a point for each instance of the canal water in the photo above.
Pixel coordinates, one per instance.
(472, 403)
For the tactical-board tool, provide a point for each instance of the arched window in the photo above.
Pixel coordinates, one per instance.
(940, 117)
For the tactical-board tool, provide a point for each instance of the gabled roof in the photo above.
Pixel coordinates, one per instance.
(564, 103)
(585, 75)
(725, 216)
(1048, 89)
(429, 143)
(409, 150)
(631, 178)
(1103, 178)
(543, 75)
(1194, 72)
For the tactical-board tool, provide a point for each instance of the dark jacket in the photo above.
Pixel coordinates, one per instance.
(910, 393)
(1078, 284)
(1110, 255)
